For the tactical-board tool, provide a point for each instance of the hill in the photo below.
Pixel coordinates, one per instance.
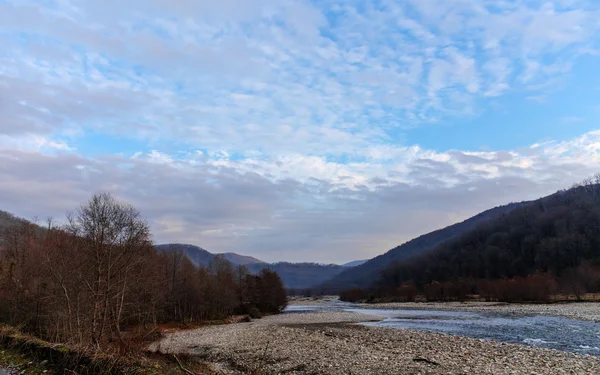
(8, 220)
(355, 263)
(364, 275)
(201, 257)
(553, 240)
(197, 255)
(300, 275)
(241, 259)
(293, 275)
(11, 225)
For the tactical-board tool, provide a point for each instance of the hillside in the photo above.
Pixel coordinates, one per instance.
(300, 275)
(11, 225)
(355, 263)
(364, 275)
(8, 220)
(201, 257)
(240, 259)
(293, 275)
(197, 255)
(552, 236)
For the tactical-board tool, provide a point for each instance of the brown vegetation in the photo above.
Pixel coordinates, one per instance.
(92, 281)
(577, 284)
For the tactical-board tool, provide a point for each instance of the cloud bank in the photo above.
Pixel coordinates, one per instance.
(285, 130)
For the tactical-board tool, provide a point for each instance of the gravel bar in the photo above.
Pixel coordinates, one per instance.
(329, 343)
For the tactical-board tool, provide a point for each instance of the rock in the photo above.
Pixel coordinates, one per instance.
(317, 343)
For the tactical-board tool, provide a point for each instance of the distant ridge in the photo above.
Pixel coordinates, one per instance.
(300, 275)
(355, 263)
(241, 259)
(196, 254)
(202, 257)
(8, 220)
(293, 275)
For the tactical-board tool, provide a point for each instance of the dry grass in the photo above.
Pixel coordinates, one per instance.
(588, 297)
(29, 352)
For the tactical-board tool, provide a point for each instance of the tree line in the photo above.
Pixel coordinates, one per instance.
(548, 246)
(87, 282)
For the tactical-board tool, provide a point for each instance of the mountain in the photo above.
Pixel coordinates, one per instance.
(201, 257)
(364, 275)
(8, 220)
(241, 259)
(558, 235)
(300, 275)
(197, 255)
(355, 263)
(293, 275)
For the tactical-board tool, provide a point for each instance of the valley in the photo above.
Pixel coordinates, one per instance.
(295, 276)
(434, 305)
(299, 187)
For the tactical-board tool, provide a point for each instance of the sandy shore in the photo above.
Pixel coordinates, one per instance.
(328, 343)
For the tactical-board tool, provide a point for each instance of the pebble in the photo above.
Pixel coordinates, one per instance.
(328, 343)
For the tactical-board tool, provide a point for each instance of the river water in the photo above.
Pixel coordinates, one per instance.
(542, 331)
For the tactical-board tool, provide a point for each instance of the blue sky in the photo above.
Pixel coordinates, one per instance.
(296, 130)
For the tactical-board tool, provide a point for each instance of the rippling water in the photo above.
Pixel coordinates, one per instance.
(549, 332)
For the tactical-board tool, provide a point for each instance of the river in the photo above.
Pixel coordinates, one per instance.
(541, 331)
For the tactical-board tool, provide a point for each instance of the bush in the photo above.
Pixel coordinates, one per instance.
(352, 295)
(434, 291)
(254, 312)
(407, 292)
(535, 288)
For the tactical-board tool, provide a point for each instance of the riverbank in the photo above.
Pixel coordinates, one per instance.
(23, 354)
(327, 342)
(13, 363)
(573, 310)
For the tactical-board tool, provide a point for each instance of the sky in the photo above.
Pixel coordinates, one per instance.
(294, 130)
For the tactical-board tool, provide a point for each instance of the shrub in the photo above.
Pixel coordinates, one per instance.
(407, 292)
(352, 295)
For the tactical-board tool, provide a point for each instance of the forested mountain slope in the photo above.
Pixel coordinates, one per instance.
(9, 221)
(364, 275)
(552, 235)
(355, 263)
(293, 275)
(300, 275)
(12, 226)
(241, 259)
(198, 256)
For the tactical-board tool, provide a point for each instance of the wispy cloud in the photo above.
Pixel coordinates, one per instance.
(238, 70)
(298, 208)
(261, 117)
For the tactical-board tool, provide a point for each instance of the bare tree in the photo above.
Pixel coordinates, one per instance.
(80, 284)
(112, 237)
